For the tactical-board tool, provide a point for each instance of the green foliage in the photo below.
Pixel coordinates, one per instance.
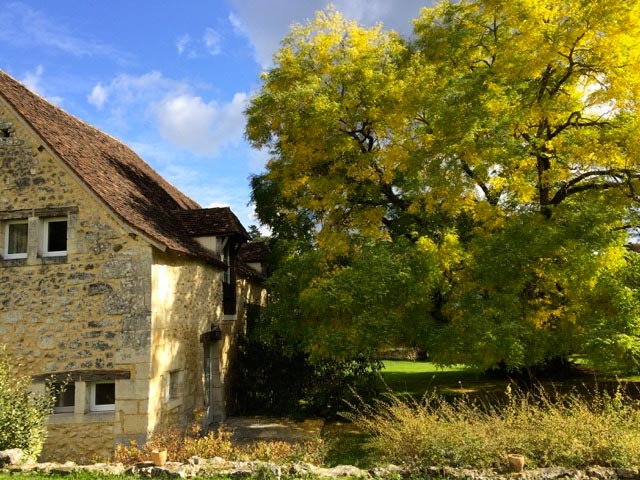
(548, 429)
(278, 378)
(23, 414)
(469, 191)
(382, 295)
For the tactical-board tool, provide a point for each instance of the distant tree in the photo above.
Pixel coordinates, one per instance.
(471, 190)
(254, 233)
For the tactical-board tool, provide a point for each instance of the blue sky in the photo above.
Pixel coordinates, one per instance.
(171, 79)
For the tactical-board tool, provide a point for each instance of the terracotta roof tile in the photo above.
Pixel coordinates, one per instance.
(211, 221)
(254, 252)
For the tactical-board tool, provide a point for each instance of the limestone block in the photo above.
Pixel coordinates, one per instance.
(115, 304)
(128, 407)
(133, 389)
(135, 424)
(117, 268)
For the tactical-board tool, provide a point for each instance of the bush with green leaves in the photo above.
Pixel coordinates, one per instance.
(23, 414)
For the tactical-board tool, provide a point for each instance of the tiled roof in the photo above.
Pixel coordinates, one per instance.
(253, 252)
(211, 221)
(137, 194)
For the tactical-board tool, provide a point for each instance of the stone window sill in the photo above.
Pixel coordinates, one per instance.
(13, 262)
(80, 418)
(23, 262)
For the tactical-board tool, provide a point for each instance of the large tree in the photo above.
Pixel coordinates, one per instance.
(471, 191)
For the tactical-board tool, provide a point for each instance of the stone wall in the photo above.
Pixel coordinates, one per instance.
(187, 300)
(87, 310)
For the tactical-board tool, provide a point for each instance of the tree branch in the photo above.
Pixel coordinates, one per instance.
(615, 178)
(492, 198)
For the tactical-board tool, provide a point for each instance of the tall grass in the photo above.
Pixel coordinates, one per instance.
(549, 429)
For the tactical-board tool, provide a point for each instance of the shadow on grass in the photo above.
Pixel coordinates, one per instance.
(346, 445)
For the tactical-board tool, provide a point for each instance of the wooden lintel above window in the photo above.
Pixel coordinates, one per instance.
(84, 376)
(37, 212)
(55, 211)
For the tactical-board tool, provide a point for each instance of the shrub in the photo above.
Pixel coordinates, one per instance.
(184, 443)
(311, 451)
(23, 414)
(568, 430)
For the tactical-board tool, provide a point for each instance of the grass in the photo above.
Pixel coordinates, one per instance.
(414, 380)
(417, 378)
(347, 444)
(351, 443)
(92, 476)
(65, 476)
(549, 428)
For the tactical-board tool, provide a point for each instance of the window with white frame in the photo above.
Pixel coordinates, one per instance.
(54, 242)
(103, 396)
(15, 239)
(65, 397)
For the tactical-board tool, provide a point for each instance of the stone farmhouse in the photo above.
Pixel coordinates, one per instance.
(113, 281)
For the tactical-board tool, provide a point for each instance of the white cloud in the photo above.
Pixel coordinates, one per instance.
(23, 26)
(123, 91)
(237, 25)
(98, 96)
(182, 42)
(188, 121)
(209, 43)
(183, 117)
(212, 41)
(265, 24)
(33, 81)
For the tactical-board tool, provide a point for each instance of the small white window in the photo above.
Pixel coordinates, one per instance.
(15, 239)
(65, 398)
(55, 237)
(103, 396)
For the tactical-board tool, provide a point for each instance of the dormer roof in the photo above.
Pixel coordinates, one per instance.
(206, 222)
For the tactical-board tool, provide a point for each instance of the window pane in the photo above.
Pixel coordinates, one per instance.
(64, 399)
(105, 393)
(17, 241)
(57, 240)
(67, 397)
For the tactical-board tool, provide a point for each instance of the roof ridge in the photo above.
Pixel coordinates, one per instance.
(61, 110)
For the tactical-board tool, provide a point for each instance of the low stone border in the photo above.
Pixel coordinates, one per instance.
(240, 470)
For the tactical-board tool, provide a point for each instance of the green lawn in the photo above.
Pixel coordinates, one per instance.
(415, 378)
